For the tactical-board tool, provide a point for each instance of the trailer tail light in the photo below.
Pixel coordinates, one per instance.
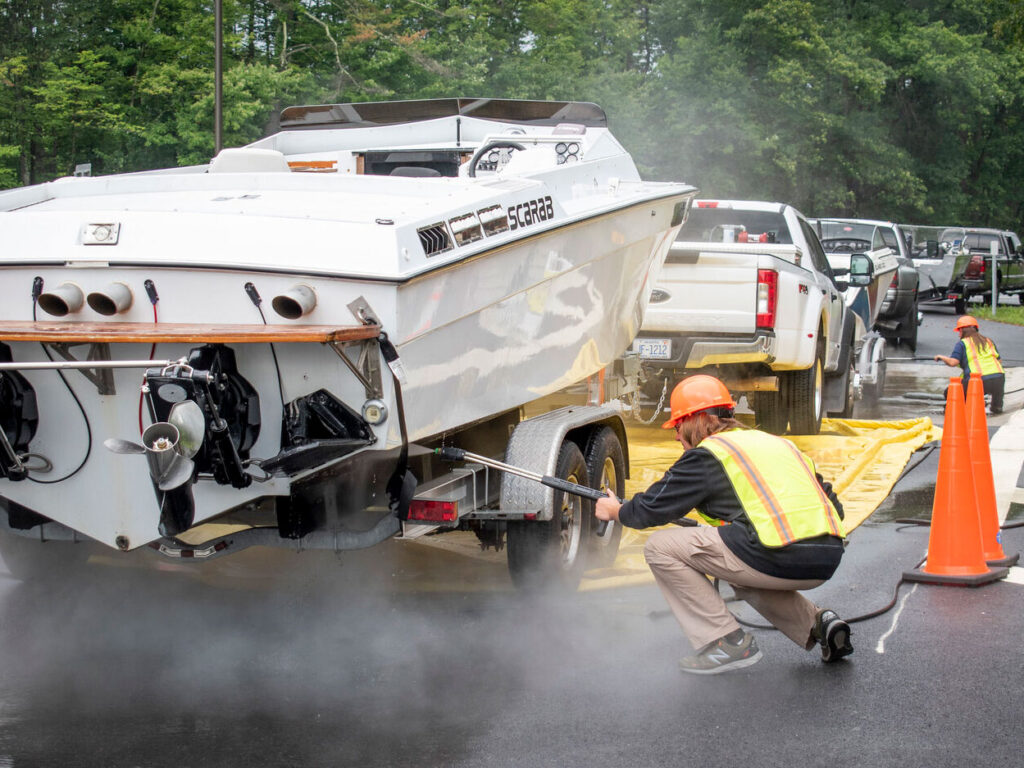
(767, 295)
(430, 511)
(707, 203)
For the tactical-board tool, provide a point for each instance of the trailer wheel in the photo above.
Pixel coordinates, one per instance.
(803, 394)
(873, 392)
(960, 305)
(551, 553)
(606, 467)
(769, 411)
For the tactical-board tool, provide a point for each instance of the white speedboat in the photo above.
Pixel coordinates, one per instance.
(280, 332)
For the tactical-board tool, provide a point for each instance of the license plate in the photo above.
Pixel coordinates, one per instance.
(653, 349)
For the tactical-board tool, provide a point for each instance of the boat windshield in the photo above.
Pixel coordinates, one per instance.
(725, 225)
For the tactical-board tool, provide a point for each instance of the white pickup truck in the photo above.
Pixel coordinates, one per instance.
(747, 294)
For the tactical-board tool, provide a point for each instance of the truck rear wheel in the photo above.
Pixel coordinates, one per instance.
(551, 553)
(769, 411)
(908, 329)
(803, 395)
(606, 467)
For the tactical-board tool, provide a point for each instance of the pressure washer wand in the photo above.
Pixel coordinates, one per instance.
(457, 454)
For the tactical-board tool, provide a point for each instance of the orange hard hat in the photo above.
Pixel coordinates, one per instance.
(966, 321)
(697, 393)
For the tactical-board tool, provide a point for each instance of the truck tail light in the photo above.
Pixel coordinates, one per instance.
(430, 511)
(894, 283)
(767, 295)
(975, 267)
(707, 203)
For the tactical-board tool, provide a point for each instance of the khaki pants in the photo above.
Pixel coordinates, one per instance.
(680, 558)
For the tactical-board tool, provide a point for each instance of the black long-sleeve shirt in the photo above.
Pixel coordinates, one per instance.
(698, 481)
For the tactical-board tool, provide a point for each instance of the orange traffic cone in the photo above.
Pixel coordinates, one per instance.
(954, 543)
(984, 483)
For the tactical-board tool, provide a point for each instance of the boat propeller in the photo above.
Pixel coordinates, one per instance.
(169, 447)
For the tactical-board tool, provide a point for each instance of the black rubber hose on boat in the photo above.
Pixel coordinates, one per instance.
(37, 289)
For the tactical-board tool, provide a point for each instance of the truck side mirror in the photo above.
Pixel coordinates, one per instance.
(862, 269)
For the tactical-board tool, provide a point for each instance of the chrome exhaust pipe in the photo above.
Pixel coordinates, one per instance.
(297, 301)
(114, 298)
(62, 300)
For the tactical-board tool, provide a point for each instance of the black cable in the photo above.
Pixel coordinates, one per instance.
(36, 290)
(257, 300)
(863, 617)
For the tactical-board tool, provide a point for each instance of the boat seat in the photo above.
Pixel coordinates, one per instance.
(414, 171)
(248, 160)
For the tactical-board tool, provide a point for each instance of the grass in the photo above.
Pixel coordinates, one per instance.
(1012, 314)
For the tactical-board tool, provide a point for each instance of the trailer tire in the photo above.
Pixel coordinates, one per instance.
(606, 467)
(960, 305)
(552, 553)
(804, 396)
(769, 411)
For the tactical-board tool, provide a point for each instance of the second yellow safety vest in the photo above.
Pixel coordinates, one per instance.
(776, 485)
(983, 359)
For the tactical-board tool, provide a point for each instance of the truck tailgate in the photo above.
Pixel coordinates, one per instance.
(708, 291)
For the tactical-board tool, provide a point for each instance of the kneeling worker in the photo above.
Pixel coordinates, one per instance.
(978, 354)
(779, 529)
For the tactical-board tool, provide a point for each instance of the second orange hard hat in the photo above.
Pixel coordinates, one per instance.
(966, 321)
(697, 393)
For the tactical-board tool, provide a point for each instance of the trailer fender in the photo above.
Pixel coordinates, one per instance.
(535, 444)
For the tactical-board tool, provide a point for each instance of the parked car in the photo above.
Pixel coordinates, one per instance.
(898, 317)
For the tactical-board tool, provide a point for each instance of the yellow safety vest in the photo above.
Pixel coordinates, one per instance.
(776, 485)
(982, 359)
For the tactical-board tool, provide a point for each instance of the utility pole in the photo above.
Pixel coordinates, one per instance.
(218, 91)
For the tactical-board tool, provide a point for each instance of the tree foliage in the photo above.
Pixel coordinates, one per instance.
(875, 108)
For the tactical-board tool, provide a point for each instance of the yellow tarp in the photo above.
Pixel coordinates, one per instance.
(862, 460)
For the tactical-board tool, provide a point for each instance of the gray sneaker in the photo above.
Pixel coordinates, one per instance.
(833, 634)
(722, 656)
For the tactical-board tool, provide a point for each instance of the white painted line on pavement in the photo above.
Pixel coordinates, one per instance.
(1007, 450)
(880, 647)
(1016, 575)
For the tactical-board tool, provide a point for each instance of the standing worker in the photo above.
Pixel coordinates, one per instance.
(778, 530)
(978, 354)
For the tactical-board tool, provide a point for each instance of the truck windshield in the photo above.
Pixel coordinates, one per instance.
(723, 225)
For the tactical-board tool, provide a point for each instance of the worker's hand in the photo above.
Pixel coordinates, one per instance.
(607, 508)
(938, 358)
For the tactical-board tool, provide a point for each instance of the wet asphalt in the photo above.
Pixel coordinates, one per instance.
(323, 661)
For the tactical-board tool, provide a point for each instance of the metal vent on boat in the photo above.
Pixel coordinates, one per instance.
(435, 239)
(466, 229)
(494, 220)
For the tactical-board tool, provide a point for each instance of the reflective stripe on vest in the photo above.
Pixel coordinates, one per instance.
(776, 486)
(982, 359)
